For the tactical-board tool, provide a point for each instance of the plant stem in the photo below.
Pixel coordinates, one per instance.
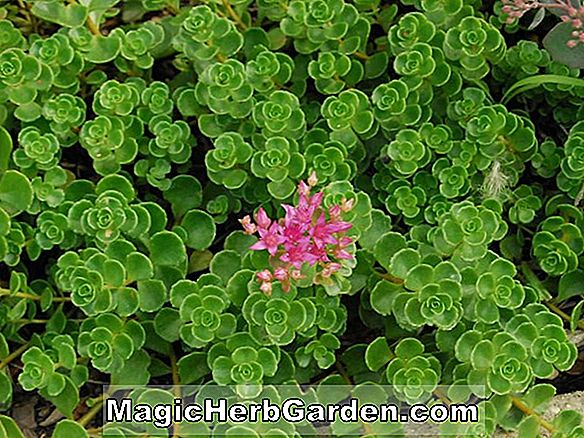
(564, 315)
(443, 397)
(530, 412)
(13, 356)
(6, 292)
(89, 415)
(96, 431)
(361, 55)
(534, 282)
(91, 25)
(389, 277)
(30, 321)
(234, 15)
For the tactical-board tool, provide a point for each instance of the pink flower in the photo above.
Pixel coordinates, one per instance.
(343, 254)
(270, 239)
(308, 234)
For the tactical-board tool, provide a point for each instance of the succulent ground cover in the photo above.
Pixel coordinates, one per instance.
(257, 193)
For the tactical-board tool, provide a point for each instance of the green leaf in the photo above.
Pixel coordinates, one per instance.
(199, 261)
(17, 311)
(9, 428)
(167, 249)
(28, 112)
(4, 350)
(138, 267)
(281, 189)
(225, 263)
(72, 15)
(193, 367)
(184, 194)
(102, 49)
(167, 324)
(152, 295)
(532, 82)
(5, 149)
(419, 276)
(576, 316)
(15, 192)
(556, 43)
(127, 301)
(200, 228)
(567, 420)
(380, 224)
(377, 354)
(482, 355)
(387, 246)
(571, 284)
(382, 296)
(134, 371)
(5, 389)
(376, 65)
(529, 427)
(409, 348)
(68, 429)
(67, 400)
(117, 183)
(539, 396)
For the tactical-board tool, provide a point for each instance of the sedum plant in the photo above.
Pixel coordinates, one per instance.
(265, 196)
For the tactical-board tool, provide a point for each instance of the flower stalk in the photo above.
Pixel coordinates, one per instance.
(516, 9)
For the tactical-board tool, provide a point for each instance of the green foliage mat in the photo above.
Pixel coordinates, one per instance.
(270, 192)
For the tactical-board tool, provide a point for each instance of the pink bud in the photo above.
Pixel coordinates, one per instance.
(281, 274)
(296, 274)
(303, 189)
(264, 275)
(262, 218)
(347, 205)
(330, 269)
(266, 288)
(248, 227)
(572, 43)
(312, 179)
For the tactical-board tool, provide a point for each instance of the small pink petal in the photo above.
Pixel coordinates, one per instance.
(262, 218)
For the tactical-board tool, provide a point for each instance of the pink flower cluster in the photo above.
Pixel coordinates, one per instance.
(308, 234)
(515, 9)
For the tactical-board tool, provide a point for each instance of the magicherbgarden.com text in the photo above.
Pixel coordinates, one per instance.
(293, 410)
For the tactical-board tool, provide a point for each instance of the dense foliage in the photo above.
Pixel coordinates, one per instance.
(271, 192)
